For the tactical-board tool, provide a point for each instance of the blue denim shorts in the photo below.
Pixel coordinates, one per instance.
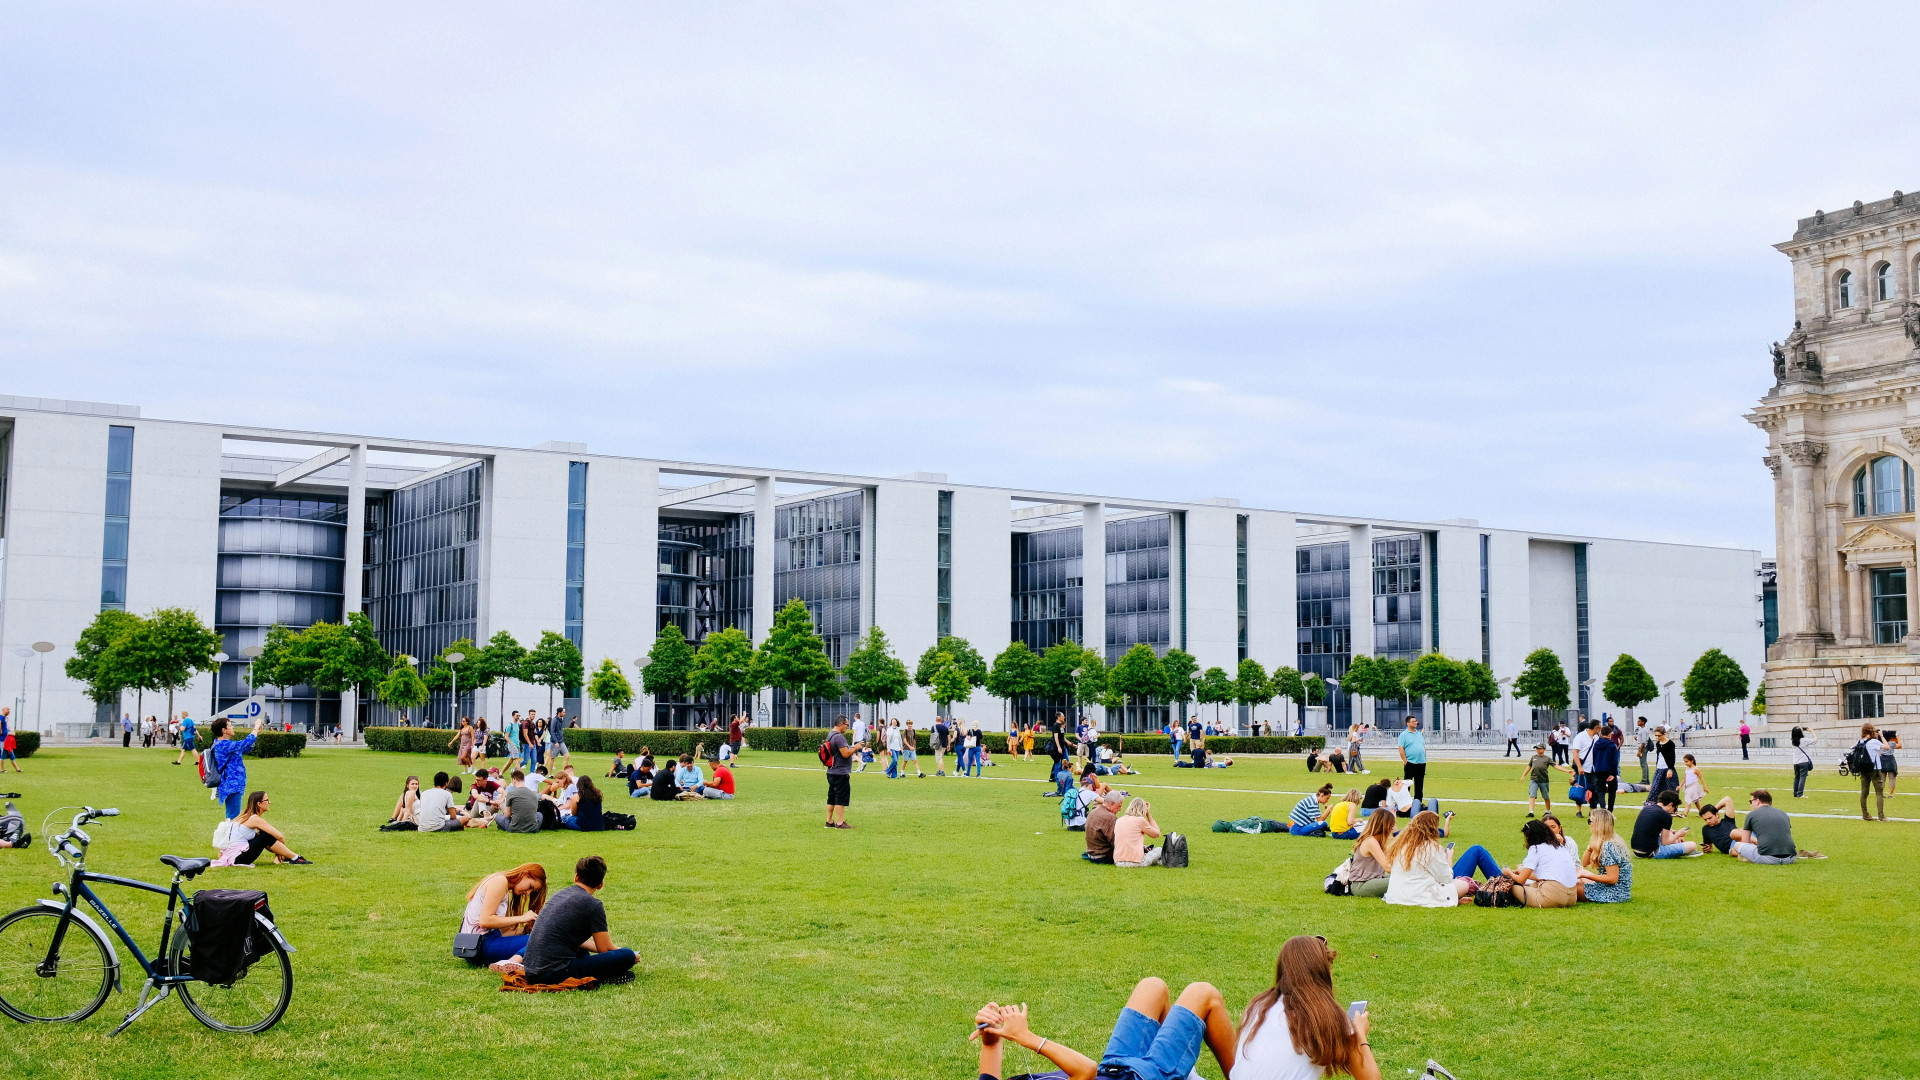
(1144, 1049)
(1670, 851)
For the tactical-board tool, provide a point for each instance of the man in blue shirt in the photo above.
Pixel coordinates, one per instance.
(189, 738)
(230, 761)
(1413, 758)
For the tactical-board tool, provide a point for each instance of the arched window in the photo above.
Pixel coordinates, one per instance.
(1883, 486)
(1843, 287)
(1864, 700)
(1883, 281)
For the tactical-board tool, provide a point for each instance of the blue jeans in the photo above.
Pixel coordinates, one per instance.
(972, 767)
(1350, 834)
(1476, 858)
(495, 947)
(592, 965)
(232, 804)
(893, 764)
(1318, 828)
(1154, 1050)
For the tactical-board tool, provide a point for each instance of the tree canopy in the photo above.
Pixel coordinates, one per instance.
(1252, 687)
(1214, 688)
(1715, 680)
(793, 657)
(1628, 685)
(723, 665)
(553, 663)
(960, 652)
(948, 681)
(610, 688)
(1056, 677)
(1542, 681)
(503, 657)
(102, 657)
(873, 674)
(1180, 668)
(403, 688)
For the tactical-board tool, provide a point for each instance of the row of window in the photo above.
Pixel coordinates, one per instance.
(1883, 486)
(1884, 285)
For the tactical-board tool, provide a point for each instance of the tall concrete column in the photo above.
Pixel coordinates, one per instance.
(762, 559)
(1093, 578)
(1804, 456)
(1858, 630)
(1830, 573)
(1913, 607)
(1359, 606)
(353, 573)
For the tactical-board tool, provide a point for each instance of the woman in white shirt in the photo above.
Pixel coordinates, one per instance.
(1420, 874)
(503, 902)
(1296, 1029)
(1550, 875)
(1802, 761)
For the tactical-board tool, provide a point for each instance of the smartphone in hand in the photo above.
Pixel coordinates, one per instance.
(1355, 1009)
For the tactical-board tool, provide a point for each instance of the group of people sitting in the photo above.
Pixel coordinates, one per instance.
(518, 802)
(677, 780)
(1295, 1028)
(1767, 838)
(1116, 836)
(546, 940)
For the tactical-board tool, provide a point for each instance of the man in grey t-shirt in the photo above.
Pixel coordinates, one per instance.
(522, 813)
(1772, 832)
(840, 751)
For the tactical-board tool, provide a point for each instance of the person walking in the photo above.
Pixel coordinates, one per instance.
(1513, 739)
(1356, 733)
(938, 741)
(840, 751)
(557, 740)
(1802, 760)
(1870, 776)
(736, 734)
(189, 738)
(1603, 773)
(1889, 767)
(464, 737)
(6, 740)
(1175, 732)
(971, 748)
(1413, 759)
(910, 751)
(1745, 733)
(126, 731)
(1665, 776)
(893, 750)
(1643, 745)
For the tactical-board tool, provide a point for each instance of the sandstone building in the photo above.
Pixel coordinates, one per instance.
(1843, 428)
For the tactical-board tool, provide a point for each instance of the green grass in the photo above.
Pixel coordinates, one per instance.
(774, 948)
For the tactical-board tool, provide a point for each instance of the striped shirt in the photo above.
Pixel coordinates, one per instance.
(1306, 811)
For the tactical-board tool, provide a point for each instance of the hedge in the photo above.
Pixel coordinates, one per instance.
(675, 743)
(266, 744)
(25, 743)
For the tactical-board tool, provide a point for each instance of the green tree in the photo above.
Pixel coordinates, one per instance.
(670, 667)
(1138, 677)
(1215, 689)
(1057, 671)
(1759, 707)
(1543, 682)
(1016, 671)
(949, 682)
(172, 645)
(1481, 687)
(1090, 684)
(723, 665)
(960, 652)
(1181, 669)
(874, 675)
(1437, 677)
(342, 657)
(446, 677)
(503, 656)
(1628, 685)
(553, 663)
(1252, 688)
(403, 688)
(281, 662)
(1359, 681)
(1715, 680)
(1286, 683)
(610, 688)
(1390, 678)
(101, 659)
(794, 658)
(1316, 687)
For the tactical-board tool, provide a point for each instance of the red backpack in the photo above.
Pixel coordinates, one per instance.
(826, 751)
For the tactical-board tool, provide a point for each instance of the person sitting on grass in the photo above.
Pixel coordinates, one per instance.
(1336, 761)
(1296, 1027)
(435, 811)
(1367, 876)
(403, 809)
(1418, 873)
(520, 811)
(582, 812)
(1654, 836)
(640, 778)
(688, 778)
(1719, 829)
(502, 902)
(1399, 797)
(1309, 817)
(1606, 875)
(1343, 821)
(258, 837)
(1769, 832)
(619, 769)
(722, 786)
(1080, 801)
(1152, 1040)
(1131, 832)
(570, 939)
(1548, 877)
(1099, 826)
(664, 789)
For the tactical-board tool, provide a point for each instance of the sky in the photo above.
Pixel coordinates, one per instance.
(1505, 262)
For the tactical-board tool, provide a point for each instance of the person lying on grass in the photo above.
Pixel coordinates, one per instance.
(1152, 1040)
(1297, 1027)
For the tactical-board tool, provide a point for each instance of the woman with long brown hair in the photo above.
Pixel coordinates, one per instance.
(1420, 874)
(1368, 876)
(1296, 1029)
(507, 901)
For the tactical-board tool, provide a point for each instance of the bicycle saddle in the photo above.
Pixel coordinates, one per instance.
(186, 867)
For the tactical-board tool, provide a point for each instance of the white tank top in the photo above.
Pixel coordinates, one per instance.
(470, 922)
(1270, 1055)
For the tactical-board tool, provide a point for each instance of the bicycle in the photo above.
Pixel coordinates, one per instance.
(57, 966)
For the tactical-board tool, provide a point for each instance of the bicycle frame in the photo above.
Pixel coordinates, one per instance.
(76, 890)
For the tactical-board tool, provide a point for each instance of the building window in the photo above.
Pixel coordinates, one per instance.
(1883, 281)
(576, 554)
(1581, 629)
(943, 563)
(1864, 700)
(1240, 569)
(1843, 288)
(1883, 486)
(1889, 605)
(113, 559)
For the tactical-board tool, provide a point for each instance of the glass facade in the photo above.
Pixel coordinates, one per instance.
(576, 554)
(705, 585)
(113, 558)
(1400, 589)
(1323, 590)
(1046, 587)
(1889, 605)
(1138, 580)
(1240, 576)
(1582, 643)
(282, 558)
(943, 563)
(816, 559)
(423, 568)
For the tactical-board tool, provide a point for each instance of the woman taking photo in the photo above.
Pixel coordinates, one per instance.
(1368, 875)
(1296, 1029)
(501, 908)
(403, 810)
(251, 829)
(1802, 761)
(1606, 875)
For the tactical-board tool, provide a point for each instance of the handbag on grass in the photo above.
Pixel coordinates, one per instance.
(467, 946)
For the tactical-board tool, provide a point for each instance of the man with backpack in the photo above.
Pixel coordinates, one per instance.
(1864, 761)
(227, 764)
(837, 755)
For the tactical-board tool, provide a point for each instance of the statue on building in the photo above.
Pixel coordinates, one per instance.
(1780, 362)
(1910, 322)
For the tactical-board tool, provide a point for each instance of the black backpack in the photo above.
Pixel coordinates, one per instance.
(1859, 761)
(1176, 853)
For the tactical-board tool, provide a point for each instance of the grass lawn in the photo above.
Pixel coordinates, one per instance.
(772, 947)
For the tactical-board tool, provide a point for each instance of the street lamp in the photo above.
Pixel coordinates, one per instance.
(453, 674)
(1665, 692)
(1331, 684)
(213, 705)
(640, 666)
(40, 695)
(1588, 687)
(25, 654)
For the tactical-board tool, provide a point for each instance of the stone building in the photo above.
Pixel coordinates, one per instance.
(1843, 430)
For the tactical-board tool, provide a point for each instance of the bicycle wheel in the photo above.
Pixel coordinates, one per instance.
(64, 992)
(253, 1002)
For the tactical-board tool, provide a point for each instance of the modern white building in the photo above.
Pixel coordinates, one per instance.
(440, 541)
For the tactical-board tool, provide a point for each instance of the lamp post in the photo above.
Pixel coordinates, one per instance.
(250, 654)
(1332, 685)
(640, 666)
(40, 695)
(213, 705)
(412, 663)
(25, 653)
(1666, 692)
(453, 675)
(1592, 703)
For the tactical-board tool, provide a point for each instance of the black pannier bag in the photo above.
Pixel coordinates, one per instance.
(223, 937)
